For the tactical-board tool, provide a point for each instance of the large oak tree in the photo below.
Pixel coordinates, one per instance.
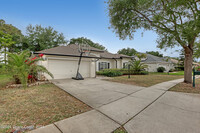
(15, 33)
(80, 40)
(127, 51)
(155, 53)
(177, 22)
(40, 38)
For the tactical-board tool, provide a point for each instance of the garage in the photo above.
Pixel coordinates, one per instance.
(62, 69)
(62, 61)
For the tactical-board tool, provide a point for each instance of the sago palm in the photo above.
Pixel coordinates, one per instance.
(137, 66)
(20, 66)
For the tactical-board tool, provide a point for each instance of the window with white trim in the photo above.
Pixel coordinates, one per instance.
(104, 65)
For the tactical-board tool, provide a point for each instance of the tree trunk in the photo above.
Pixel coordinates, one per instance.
(188, 65)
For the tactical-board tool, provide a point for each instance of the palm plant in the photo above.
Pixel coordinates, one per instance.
(20, 67)
(137, 66)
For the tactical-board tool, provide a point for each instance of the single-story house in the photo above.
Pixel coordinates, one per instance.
(153, 62)
(62, 61)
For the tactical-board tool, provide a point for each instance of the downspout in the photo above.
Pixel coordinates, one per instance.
(116, 62)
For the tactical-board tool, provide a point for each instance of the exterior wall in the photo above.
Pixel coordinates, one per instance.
(113, 63)
(152, 67)
(66, 67)
(125, 60)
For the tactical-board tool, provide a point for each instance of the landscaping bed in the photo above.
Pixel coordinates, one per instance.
(35, 106)
(145, 80)
(187, 88)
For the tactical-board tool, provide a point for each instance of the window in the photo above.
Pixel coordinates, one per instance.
(104, 65)
(125, 65)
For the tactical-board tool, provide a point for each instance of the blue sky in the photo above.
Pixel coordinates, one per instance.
(76, 18)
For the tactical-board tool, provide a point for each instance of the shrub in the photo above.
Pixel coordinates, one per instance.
(131, 72)
(171, 70)
(161, 69)
(179, 68)
(119, 72)
(23, 68)
(3, 69)
(144, 73)
(110, 72)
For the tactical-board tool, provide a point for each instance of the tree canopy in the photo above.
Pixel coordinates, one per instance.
(16, 34)
(40, 38)
(155, 53)
(80, 40)
(177, 22)
(127, 51)
(6, 41)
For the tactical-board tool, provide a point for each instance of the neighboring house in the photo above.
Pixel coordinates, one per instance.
(178, 63)
(175, 62)
(153, 62)
(62, 61)
(196, 64)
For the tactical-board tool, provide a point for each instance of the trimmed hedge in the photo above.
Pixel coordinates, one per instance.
(119, 72)
(110, 72)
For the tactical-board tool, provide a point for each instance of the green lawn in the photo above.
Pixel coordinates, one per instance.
(4, 80)
(171, 73)
(145, 80)
(35, 106)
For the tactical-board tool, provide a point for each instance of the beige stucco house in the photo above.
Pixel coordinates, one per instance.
(62, 61)
(153, 62)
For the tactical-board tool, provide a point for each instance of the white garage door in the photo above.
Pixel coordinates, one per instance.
(62, 69)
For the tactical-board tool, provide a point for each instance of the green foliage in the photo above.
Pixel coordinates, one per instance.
(171, 70)
(161, 69)
(197, 50)
(20, 67)
(127, 51)
(39, 38)
(140, 55)
(14, 32)
(137, 66)
(6, 41)
(179, 68)
(119, 72)
(110, 72)
(197, 68)
(177, 23)
(88, 41)
(3, 69)
(155, 53)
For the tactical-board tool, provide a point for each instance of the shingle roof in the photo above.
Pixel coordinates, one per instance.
(154, 59)
(113, 56)
(72, 50)
(69, 50)
(174, 61)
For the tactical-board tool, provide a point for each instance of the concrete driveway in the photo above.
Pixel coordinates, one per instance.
(96, 92)
(138, 109)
